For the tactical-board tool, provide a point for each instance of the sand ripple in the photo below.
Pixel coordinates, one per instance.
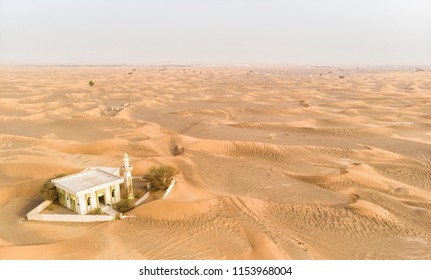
(281, 164)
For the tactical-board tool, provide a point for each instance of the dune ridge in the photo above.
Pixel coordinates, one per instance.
(286, 163)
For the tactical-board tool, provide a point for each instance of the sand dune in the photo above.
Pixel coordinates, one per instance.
(286, 163)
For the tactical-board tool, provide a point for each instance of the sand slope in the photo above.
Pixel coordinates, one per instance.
(279, 163)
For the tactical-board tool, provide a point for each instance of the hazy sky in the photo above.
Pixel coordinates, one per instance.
(216, 31)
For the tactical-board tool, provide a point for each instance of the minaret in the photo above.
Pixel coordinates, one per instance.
(127, 174)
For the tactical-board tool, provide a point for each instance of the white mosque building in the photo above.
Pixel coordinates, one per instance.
(94, 187)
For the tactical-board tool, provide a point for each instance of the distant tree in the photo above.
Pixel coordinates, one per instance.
(160, 177)
(91, 83)
(48, 191)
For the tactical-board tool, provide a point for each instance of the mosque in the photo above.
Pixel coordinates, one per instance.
(94, 187)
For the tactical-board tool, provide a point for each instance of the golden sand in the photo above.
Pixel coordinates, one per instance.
(278, 163)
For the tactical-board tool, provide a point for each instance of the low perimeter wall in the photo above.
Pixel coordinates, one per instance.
(34, 215)
(171, 186)
(142, 199)
(68, 218)
(147, 194)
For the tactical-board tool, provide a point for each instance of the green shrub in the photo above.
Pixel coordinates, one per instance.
(123, 205)
(160, 177)
(48, 191)
(91, 83)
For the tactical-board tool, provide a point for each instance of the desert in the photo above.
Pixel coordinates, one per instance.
(298, 162)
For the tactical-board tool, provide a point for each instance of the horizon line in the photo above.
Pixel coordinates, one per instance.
(385, 65)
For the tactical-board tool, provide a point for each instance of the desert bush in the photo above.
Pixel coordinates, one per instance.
(91, 83)
(123, 205)
(48, 191)
(160, 177)
(97, 211)
(178, 150)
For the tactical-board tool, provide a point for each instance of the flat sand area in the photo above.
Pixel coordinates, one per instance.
(278, 163)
